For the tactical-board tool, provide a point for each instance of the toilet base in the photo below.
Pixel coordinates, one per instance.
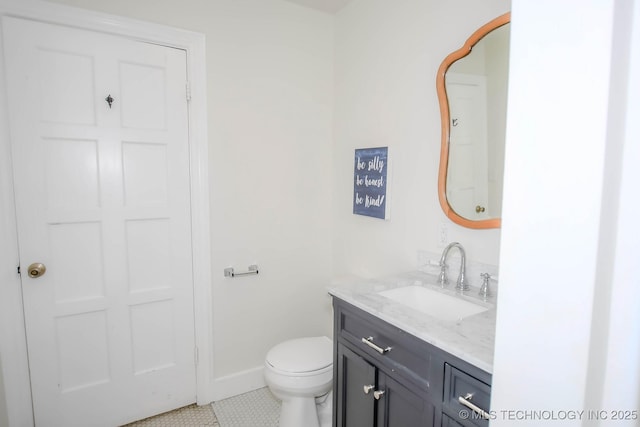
(307, 412)
(299, 411)
(324, 407)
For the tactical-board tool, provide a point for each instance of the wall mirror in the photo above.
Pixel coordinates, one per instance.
(472, 92)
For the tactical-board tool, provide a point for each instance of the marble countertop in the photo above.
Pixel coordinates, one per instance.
(471, 338)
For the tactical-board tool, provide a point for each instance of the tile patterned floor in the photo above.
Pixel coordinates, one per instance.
(258, 408)
(189, 416)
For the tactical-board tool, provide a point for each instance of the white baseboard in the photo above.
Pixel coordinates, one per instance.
(238, 383)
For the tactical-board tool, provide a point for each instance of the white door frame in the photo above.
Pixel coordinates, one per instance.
(13, 349)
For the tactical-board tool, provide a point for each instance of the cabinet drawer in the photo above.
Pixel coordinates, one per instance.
(391, 348)
(459, 385)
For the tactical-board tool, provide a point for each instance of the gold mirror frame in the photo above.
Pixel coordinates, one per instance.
(446, 123)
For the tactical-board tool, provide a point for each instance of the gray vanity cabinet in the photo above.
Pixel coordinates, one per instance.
(385, 377)
(370, 397)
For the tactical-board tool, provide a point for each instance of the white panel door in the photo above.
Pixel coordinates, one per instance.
(102, 196)
(467, 182)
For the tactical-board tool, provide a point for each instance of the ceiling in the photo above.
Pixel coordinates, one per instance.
(328, 6)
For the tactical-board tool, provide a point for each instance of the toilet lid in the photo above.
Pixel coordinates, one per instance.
(301, 355)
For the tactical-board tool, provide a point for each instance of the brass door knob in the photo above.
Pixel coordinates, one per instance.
(36, 270)
(479, 209)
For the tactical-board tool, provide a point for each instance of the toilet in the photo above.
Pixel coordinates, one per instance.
(299, 372)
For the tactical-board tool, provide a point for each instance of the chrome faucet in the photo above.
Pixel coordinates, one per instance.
(443, 280)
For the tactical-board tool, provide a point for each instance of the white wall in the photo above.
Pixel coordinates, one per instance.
(614, 372)
(568, 332)
(387, 56)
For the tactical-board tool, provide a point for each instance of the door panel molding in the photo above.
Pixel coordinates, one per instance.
(12, 340)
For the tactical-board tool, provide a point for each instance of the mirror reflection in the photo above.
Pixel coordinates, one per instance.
(474, 81)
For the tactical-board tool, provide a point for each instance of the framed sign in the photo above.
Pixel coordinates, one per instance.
(370, 182)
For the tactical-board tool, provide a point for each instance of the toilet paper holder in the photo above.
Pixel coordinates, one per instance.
(229, 271)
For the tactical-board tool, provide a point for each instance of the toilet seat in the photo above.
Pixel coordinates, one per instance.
(299, 374)
(302, 356)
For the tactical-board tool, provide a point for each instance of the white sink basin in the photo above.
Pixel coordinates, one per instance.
(433, 303)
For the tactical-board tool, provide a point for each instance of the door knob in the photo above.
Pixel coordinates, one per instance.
(479, 209)
(378, 394)
(36, 270)
(368, 388)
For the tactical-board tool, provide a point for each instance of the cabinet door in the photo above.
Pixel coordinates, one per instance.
(355, 408)
(449, 422)
(401, 407)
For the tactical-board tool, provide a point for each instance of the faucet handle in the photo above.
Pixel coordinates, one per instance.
(485, 292)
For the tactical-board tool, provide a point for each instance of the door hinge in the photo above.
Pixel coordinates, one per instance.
(18, 268)
(188, 91)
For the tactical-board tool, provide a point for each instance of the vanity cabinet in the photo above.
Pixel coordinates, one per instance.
(371, 397)
(386, 377)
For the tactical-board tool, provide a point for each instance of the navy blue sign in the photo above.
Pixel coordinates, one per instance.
(370, 182)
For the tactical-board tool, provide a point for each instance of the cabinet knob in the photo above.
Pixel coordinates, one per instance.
(378, 394)
(368, 388)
